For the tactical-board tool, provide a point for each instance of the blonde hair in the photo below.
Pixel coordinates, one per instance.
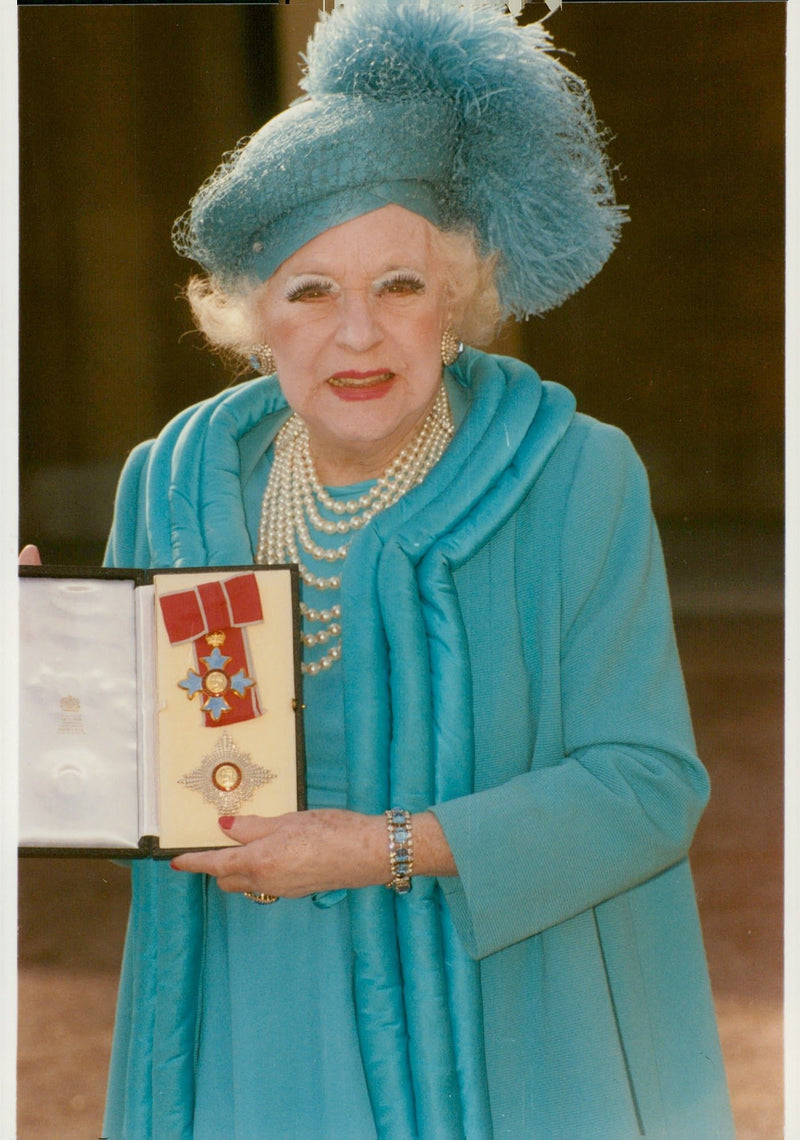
(233, 322)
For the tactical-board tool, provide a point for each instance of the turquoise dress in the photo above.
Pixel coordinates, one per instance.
(284, 1011)
(509, 663)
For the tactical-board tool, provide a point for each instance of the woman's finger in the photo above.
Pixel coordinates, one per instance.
(221, 861)
(228, 861)
(246, 828)
(231, 868)
(29, 556)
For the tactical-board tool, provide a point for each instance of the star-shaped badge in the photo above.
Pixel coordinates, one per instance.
(227, 777)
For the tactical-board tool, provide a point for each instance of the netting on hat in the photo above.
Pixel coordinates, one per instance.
(450, 94)
(185, 237)
(307, 169)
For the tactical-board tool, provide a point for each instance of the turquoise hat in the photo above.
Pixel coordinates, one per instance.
(447, 108)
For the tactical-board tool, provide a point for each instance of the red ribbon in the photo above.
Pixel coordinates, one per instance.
(218, 607)
(210, 606)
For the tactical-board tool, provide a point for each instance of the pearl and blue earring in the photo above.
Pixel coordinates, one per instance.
(262, 360)
(452, 347)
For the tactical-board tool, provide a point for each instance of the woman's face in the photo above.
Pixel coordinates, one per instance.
(355, 320)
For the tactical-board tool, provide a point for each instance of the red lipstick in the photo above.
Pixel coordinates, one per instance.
(352, 374)
(352, 384)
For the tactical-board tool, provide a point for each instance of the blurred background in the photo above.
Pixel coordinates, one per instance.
(125, 109)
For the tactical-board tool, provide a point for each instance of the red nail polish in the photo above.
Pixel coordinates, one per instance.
(226, 822)
(175, 866)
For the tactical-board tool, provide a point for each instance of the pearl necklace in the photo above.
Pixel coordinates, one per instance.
(294, 499)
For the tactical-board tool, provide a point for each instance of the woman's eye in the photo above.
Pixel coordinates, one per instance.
(313, 291)
(402, 286)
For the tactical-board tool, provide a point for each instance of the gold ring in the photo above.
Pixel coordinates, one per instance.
(259, 897)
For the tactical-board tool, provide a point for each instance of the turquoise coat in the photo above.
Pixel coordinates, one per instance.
(508, 660)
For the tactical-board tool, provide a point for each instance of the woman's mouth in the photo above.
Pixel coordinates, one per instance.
(359, 379)
(354, 385)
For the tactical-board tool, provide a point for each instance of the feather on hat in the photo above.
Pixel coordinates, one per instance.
(447, 108)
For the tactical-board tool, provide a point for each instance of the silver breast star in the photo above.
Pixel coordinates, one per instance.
(227, 777)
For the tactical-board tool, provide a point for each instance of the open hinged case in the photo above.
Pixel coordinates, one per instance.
(152, 702)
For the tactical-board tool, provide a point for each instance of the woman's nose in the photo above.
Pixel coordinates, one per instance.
(358, 325)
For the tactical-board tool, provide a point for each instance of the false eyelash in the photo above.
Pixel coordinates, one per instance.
(413, 280)
(303, 288)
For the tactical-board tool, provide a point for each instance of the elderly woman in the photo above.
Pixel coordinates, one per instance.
(496, 723)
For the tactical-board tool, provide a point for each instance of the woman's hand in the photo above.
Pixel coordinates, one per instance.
(304, 852)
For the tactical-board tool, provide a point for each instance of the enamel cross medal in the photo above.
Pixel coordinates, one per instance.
(216, 681)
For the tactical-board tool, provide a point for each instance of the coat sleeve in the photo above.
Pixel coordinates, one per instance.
(618, 798)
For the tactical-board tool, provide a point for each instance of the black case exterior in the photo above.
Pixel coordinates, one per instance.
(149, 847)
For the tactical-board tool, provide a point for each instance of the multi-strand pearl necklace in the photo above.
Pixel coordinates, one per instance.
(294, 498)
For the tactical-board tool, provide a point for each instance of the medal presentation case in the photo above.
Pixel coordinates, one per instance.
(153, 702)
